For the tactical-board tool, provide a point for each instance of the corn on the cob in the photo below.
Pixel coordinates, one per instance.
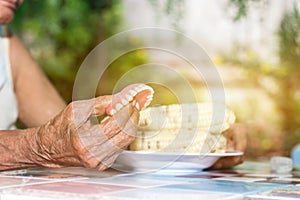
(187, 127)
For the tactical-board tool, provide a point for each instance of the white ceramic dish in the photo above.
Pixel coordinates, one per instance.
(142, 161)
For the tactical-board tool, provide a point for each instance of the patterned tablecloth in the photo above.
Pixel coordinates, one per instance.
(251, 180)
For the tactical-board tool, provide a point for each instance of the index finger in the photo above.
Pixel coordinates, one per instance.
(128, 133)
(114, 124)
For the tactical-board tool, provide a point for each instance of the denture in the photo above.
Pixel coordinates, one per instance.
(140, 94)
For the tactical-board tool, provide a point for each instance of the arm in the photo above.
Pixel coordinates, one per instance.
(71, 139)
(15, 147)
(68, 138)
(37, 99)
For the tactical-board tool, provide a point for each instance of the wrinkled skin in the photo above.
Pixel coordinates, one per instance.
(74, 137)
(61, 136)
(71, 139)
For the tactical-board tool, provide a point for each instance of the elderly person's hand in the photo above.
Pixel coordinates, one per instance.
(236, 137)
(72, 139)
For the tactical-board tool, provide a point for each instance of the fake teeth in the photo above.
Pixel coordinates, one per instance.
(124, 102)
(113, 111)
(142, 94)
(133, 92)
(128, 97)
(119, 106)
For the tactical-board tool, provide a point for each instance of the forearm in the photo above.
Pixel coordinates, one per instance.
(35, 147)
(28, 77)
(15, 149)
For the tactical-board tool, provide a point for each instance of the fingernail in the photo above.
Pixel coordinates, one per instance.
(104, 120)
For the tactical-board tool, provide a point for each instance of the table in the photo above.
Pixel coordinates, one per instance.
(251, 180)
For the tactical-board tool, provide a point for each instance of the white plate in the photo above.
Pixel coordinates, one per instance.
(142, 161)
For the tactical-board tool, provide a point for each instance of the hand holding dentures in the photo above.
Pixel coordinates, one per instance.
(71, 139)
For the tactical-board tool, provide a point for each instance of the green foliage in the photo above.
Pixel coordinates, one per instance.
(289, 39)
(119, 68)
(289, 53)
(125, 63)
(61, 33)
(285, 75)
(241, 7)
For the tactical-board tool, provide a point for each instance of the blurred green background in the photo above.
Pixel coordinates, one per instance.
(61, 33)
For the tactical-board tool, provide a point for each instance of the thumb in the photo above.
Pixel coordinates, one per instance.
(100, 104)
(84, 109)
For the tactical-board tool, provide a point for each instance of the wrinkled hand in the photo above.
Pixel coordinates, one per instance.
(71, 139)
(236, 137)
